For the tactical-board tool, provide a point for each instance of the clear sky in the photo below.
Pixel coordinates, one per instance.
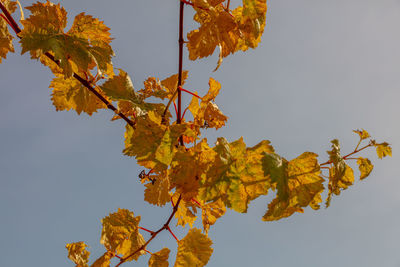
(323, 68)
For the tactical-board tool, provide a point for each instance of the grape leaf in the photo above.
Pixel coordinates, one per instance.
(86, 44)
(251, 22)
(71, 94)
(189, 166)
(341, 175)
(6, 38)
(217, 28)
(237, 175)
(157, 192)
(120, 233)
(211, 212)
(239, 30)
(164, 89)
(104, 260)
(186, 212)
(365, 167)
(298, 182)
(159, 259)
(207, 114)
(362, 133)
(383, 150)
(78, 254)
(193, 250)
(152, 143)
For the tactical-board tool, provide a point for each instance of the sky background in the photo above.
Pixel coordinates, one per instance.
(323, 68)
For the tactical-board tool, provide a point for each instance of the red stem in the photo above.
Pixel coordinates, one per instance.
(147, 230)
(193, 94)
(176, 110)
(169, 230)
(184, 112)
(164, 227)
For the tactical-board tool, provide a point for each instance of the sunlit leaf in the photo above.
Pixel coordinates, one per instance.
(71, 94)
(211, 212)
(193, 250)
(341, 175)
(362, 133)
(298, 182)
(78, 254)
(383, 150)
(159, 259)
(85, 46)
(120, 233)
(6, 38)
(157, 191)
(365, 167)
(103, 261)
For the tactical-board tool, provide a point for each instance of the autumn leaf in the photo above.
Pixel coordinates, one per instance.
(341, 175)
(152, 143)
(159, 259)
(78, 254)
(383, 150)
(239, 30)
(71, 94)
(120, 233)
(365, 167)
(211, 212)
(186, 212)
(85, 46)
(362, 133)
(298, 182)
(207, 114)
(251, 22)
(6, 38)
(194, 250)
(237, 175)
(157, 191)
(104, 260)
(189, 166)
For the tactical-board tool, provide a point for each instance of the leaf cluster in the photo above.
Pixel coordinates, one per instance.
(181, 167)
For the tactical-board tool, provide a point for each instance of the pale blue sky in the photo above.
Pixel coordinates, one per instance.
(323, 69)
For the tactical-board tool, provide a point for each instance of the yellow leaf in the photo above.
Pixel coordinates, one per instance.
(362, 133)
(120, 233)
(79, 50)
(153, 87)
(159, 259)
(213, 91)
(5, 36)
(78, 254)
(237, 176)
(301, 182)
(194, 250)
(189, 166)
(103, 261)
(383, 150)
(251, 22)
(152, 143)
(208, 113)
(186, 213)
(157, 192)
(164, 89)
(71, 94)
(365, 167)
(121, 88)
(171, 83)
(211, 212)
